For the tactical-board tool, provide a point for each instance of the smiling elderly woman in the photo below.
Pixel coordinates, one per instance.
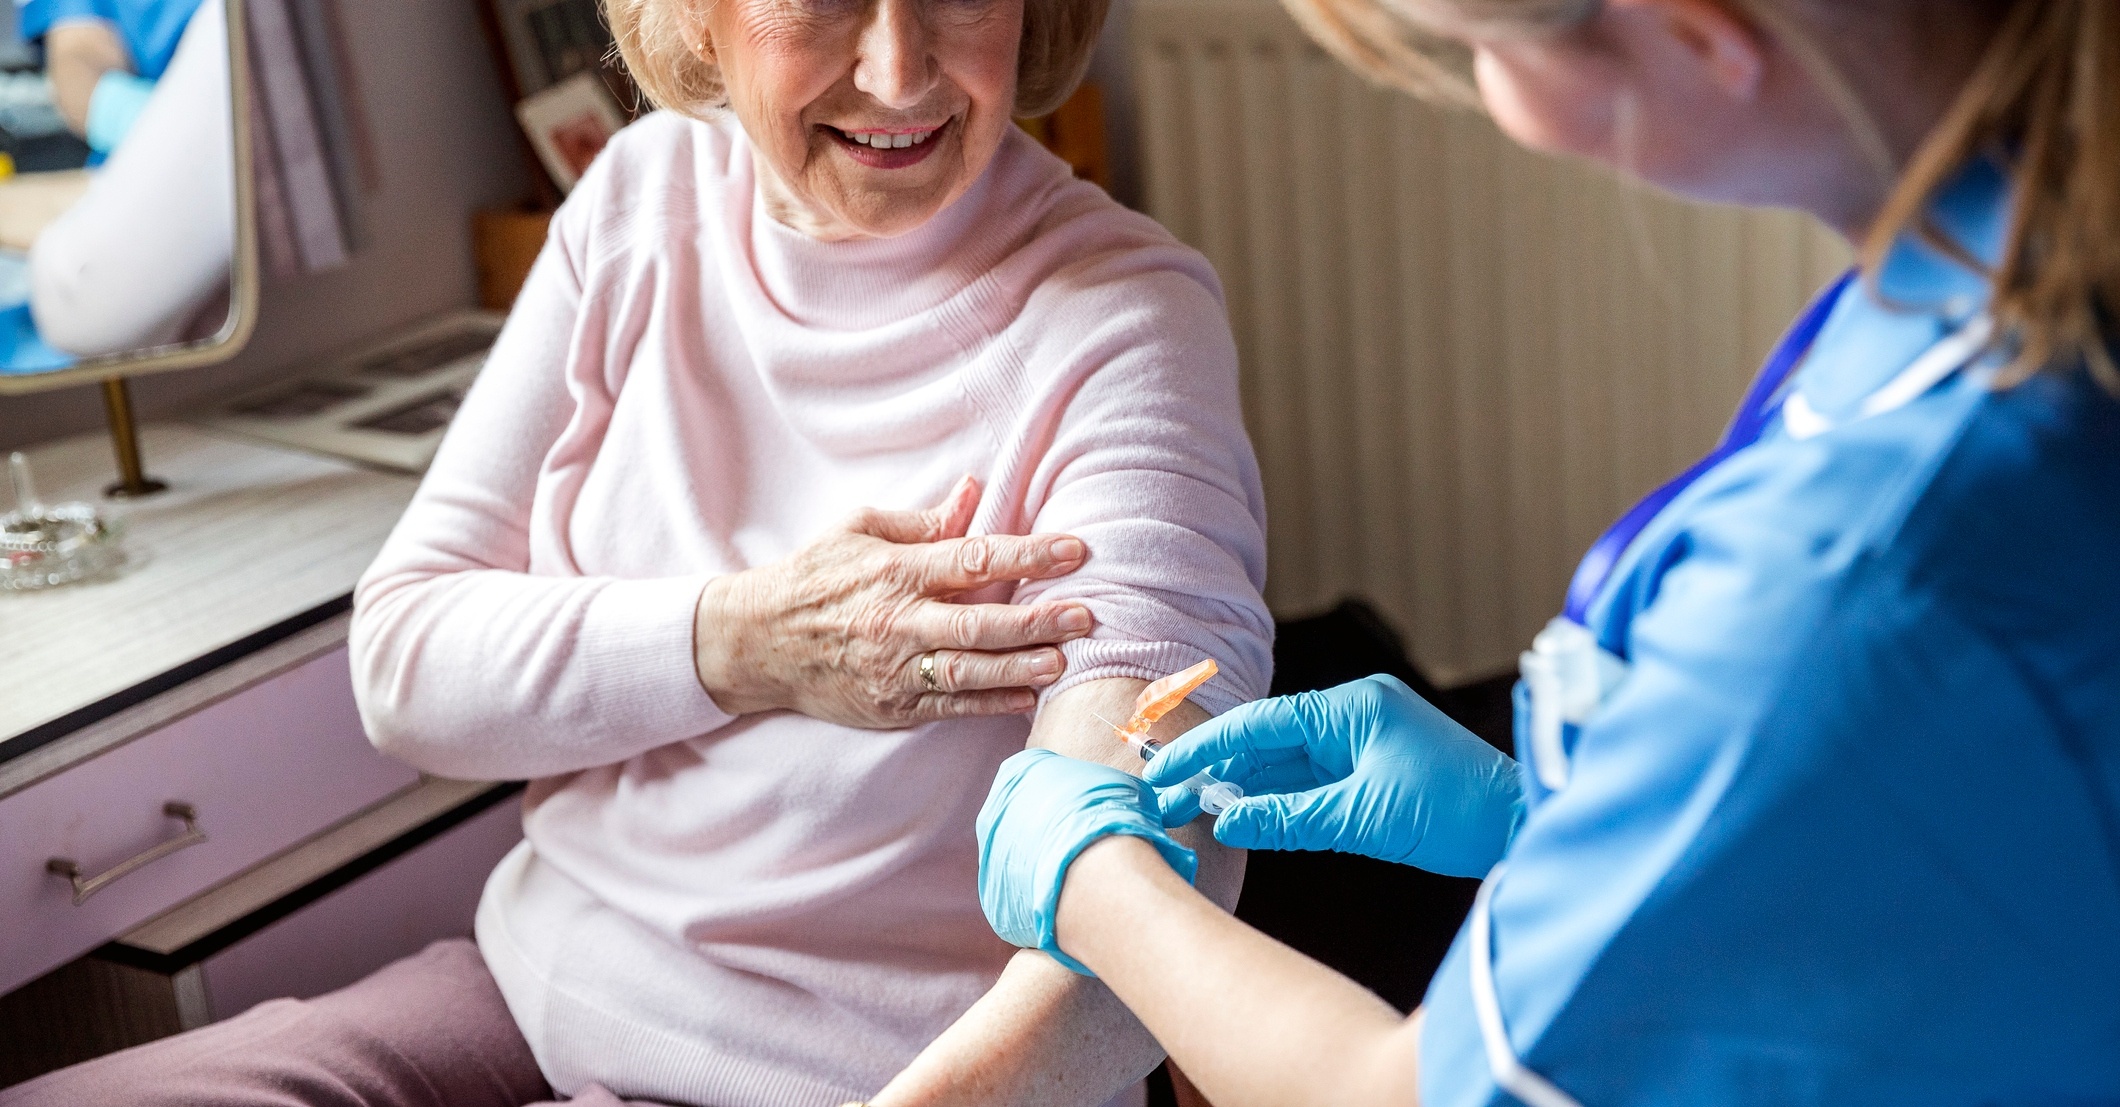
(679, 564)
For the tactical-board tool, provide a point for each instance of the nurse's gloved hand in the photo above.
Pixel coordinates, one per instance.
(1368, 767)
(1044, 810)
(114, 106)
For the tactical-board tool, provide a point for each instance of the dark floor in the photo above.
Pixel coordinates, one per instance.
(1387, 926)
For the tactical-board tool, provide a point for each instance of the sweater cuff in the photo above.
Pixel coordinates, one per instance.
(1099, 659)
(641, 633)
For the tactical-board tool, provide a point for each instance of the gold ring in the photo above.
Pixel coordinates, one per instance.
(927, 672)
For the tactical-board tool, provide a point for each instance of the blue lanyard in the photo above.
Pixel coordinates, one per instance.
(1761, 404)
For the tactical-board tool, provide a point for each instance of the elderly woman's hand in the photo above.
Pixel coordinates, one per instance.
(837, 631)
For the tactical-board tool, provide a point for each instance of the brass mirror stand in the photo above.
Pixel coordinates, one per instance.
(133, 481)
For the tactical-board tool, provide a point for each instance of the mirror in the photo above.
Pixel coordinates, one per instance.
(126, 240)
(118, 221)
(122, 249)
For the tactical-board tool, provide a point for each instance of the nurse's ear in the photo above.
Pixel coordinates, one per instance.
(1712, 37)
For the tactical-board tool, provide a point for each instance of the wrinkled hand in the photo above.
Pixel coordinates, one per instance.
(1369, 767)
(1045, 809)
(837, 630)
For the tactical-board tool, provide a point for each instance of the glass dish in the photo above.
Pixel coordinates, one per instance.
(47, 545)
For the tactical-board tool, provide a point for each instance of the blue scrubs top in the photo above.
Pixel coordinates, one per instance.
(149, 28)
(1849, 829)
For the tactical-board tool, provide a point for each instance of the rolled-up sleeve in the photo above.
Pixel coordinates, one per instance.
(1145, 458)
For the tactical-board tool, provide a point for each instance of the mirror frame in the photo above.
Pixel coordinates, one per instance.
(243, 275)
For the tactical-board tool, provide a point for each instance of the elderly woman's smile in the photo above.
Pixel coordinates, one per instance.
(867, 117)
(888, 147)
(866, 141)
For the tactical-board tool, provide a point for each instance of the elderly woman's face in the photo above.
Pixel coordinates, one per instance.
(869, 116)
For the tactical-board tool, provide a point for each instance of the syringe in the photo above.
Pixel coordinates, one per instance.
(1156, 701)
(1215, 795)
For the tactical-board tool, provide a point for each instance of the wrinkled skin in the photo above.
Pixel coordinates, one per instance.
(805, 75)
(836, 630)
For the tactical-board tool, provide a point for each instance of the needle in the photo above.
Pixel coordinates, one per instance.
(1215, 795)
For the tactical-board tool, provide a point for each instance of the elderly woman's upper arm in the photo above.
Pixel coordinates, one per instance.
(1148, 462)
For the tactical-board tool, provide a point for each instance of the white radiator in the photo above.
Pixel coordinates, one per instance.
(1460, 360)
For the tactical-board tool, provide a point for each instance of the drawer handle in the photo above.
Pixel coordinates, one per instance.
(86, 886)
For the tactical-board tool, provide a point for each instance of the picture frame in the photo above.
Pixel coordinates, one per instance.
(568, 125)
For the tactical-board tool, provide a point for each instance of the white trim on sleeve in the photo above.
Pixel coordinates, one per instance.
(1510, 1073)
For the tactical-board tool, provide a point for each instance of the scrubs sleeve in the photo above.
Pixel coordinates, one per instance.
(153, 29)
(35, 18)
(1788, 866)
(150, 29)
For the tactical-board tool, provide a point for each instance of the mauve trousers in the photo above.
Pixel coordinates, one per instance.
(428, 1031)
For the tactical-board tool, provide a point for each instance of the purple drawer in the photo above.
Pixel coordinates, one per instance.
(262, 769)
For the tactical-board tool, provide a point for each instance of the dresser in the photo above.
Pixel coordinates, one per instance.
(191, 818)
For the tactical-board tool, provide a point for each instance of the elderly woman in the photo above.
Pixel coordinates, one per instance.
(678, 563)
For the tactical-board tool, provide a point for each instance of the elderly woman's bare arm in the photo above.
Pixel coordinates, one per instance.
(1044, 1035)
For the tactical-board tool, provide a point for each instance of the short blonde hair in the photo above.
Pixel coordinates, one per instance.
(657, 39)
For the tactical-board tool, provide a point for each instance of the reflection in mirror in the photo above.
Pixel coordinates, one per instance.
(118, 190)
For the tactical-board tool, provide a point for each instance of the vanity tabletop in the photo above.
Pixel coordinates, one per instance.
(250, 544)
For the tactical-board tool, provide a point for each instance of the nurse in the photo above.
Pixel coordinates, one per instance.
(104, 57)
(1821, 791)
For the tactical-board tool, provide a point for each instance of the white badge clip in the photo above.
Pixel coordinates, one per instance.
(1568, 675)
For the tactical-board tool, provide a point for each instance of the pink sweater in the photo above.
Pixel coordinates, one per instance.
(773, 909)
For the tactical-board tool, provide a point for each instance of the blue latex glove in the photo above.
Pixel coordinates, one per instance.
(114, 106)
(1368, 767)
(1044, 810)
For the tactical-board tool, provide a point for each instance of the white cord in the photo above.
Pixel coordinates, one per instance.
(1934, 366)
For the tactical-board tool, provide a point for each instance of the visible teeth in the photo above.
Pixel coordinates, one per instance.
(880, 141)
